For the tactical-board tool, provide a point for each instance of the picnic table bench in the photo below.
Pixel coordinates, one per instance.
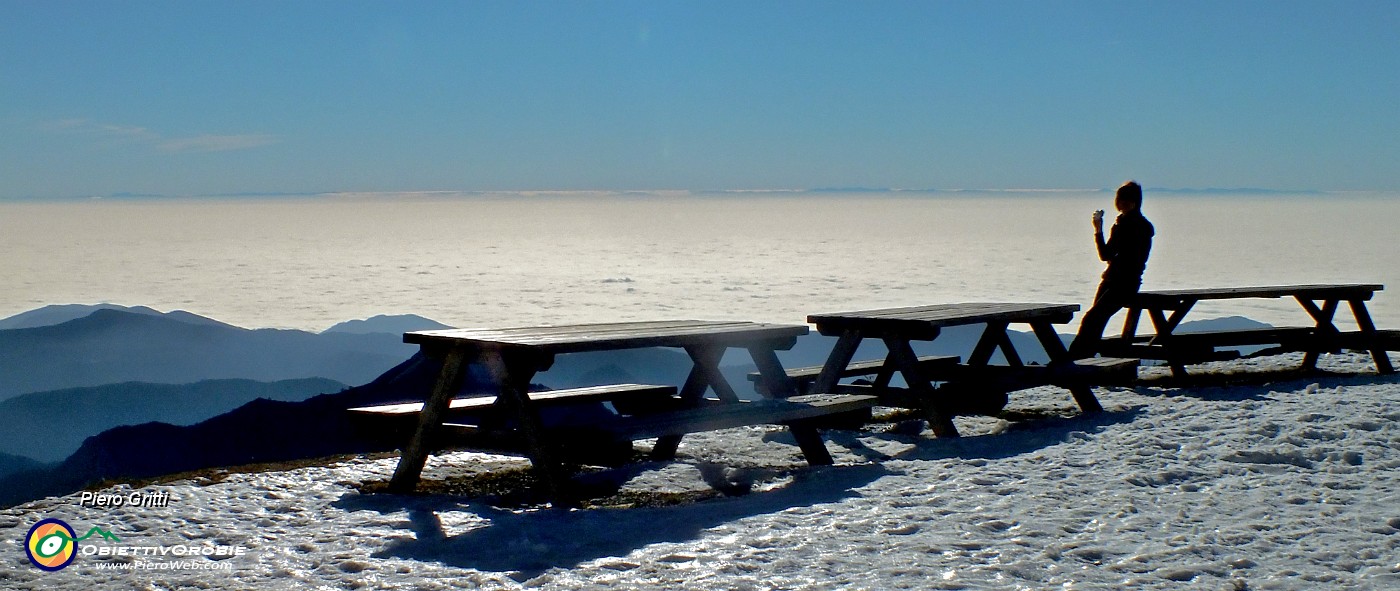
(513, 356)
(975, 385)
(1167, 309)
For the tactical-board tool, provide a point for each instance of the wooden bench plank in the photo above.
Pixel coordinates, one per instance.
(1176, 354)
(1199, 347)
(728, 416)
(591, 394)
(1093, 371)
(807, 375)
(1385, 339)
(604, 441)
(982, 389)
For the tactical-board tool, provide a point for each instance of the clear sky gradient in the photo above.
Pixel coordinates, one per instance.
(200, 98)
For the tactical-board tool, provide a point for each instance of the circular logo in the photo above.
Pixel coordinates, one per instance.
(51, 544)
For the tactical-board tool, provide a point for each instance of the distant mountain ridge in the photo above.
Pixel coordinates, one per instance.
(110, 346)
(10, 464)
(61, 313)
(387, 324)
(50, 426)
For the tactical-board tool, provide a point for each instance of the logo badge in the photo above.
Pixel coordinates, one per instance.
(51, 544)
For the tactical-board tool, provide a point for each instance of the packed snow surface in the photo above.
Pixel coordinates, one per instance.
(1293, 484)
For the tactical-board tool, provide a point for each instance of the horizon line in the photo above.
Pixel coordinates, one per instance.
(350, 194)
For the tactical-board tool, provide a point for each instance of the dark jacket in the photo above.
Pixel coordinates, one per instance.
(1129, 242)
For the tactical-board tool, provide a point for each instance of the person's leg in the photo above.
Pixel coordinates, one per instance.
(1111, 298)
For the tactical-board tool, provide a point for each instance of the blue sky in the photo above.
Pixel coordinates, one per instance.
(197, 98)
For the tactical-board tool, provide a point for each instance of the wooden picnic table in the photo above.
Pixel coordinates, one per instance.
(898, 327)
(1167, 309)
(513, 356)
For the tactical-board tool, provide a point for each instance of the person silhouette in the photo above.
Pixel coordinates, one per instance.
(1126, 250)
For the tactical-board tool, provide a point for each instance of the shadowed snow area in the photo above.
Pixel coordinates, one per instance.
(1286, 485)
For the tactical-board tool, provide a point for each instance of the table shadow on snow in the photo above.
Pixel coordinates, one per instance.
(528, 543)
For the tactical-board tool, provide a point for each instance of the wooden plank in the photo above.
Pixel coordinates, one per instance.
(1176, 354)
(527, 335)
(1376, 342)
(728, 416)
(595, 337)
(964, 313)
(1362, 291)
(971, 313)
(495, 334)
(678, 337)
(859, 368)
(589, 394)
(1093, 371)
(923, 322)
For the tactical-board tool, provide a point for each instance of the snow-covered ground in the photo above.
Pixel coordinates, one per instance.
(1289, 485)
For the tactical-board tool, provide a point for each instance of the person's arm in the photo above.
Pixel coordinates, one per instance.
(1105, 252)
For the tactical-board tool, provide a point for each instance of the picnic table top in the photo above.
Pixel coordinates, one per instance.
(930, 318)
(1324, 291)
(574, 338)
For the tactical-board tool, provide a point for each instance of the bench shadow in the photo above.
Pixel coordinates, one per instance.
(525, 544)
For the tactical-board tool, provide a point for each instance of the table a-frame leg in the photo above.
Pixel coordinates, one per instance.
(907, 363)
(704, 375)
(1368, 330)
(1055, 349)
(1325, 328)
(840, 357)
(514, 376)
(1130, 324)
(994, 337)
(415, 455)
(1162, 327)
(779, 385)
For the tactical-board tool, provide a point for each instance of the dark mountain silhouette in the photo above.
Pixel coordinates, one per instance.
(9, 464)
(115, 346)
(48, 426)
(260, 431)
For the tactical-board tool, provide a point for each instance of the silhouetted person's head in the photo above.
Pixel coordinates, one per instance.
(1129, 197)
